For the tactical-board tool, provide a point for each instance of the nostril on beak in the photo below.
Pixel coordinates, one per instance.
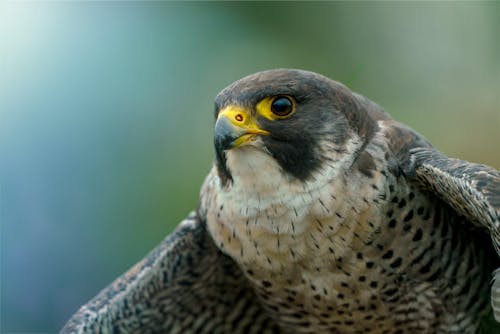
(239, 117)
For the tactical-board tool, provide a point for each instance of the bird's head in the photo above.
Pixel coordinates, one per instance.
(300, 119)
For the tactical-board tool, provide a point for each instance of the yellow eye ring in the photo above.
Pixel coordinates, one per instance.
(276, 107)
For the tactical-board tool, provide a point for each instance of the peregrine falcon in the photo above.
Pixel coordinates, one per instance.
(321, 214)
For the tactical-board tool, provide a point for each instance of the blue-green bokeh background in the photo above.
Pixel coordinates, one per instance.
(106, 116)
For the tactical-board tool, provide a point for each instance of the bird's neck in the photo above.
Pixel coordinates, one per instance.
(273, 225)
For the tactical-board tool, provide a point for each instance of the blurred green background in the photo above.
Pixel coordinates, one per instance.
(106, 116)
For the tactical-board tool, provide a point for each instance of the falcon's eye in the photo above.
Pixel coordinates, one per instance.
(282, 106)
(276, 107)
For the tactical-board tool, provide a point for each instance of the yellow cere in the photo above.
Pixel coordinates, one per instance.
(243, 123)
(236, 115)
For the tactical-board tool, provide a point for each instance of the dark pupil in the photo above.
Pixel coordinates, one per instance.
(281, 106)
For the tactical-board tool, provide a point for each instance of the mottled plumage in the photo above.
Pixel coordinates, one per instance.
(321, 215)
(184, 285)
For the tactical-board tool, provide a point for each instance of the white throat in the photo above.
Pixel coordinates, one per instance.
(265, 211)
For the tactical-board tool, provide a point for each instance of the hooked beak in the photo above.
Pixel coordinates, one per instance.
(235, 127)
